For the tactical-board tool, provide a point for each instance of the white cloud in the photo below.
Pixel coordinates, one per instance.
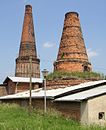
(27, 2)
(91, 53)
(48, 45)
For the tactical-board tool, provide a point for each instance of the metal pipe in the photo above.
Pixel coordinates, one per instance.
(45, 109)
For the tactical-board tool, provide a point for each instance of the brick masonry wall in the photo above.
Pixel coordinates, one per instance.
(67, 109)
(3, 91)
(61, 83)
(71, 66)
(23, 68)
(13, 88)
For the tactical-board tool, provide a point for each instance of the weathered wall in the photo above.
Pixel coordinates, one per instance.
(13, 88)
(84, 112)
(27, 48)
(61, 83)
(67, 109)
(95, 106)
(72, 55)
(3, 91)
(71, 66)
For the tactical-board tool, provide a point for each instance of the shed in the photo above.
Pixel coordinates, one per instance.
(89, 106)
(19, 84)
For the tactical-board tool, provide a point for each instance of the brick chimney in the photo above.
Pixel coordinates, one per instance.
(27, 48)
(72, 55)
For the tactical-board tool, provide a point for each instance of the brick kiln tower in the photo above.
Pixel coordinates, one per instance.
(27, 49)
(72, 55)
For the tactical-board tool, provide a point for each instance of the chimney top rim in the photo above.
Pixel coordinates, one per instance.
(28, 6)
(68, 13)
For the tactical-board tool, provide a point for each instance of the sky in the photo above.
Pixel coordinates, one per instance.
(48, 16)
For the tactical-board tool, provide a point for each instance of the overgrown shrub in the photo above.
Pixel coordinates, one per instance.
(77, 75)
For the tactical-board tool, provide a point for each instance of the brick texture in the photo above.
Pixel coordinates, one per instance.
(61, 83)
(72, 55)
(67, 109)
(27, 48)
(3, 90)
(13, 88)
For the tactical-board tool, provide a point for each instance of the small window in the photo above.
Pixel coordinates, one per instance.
(101, 115)
(85, 68)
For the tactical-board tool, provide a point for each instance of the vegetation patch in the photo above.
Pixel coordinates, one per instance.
(76, 75)
(14, 117)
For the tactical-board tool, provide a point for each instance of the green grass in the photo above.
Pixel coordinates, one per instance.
(13, 117)
(77, 75)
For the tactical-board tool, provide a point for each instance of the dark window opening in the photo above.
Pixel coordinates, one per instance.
(101, 115)
(85, 68)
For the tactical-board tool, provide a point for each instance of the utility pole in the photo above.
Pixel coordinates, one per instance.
(30, 85)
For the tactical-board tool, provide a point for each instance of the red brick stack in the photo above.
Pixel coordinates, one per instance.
(27, 48)
(72, 55)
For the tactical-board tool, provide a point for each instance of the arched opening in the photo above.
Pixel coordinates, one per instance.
(85, 68)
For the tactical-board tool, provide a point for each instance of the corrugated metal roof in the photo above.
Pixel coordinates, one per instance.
(19, 95)
(25, 79)
(53, 92)
(84, 95)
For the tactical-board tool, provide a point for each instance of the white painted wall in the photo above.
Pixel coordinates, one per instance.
(84, 112)
(91, 108)
(95, 106)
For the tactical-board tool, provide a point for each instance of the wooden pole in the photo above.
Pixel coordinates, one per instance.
(30, 86)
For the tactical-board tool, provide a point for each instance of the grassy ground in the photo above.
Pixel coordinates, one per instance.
(13, 117)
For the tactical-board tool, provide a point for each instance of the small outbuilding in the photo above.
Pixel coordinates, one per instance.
(88, 106)
(19, 84)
